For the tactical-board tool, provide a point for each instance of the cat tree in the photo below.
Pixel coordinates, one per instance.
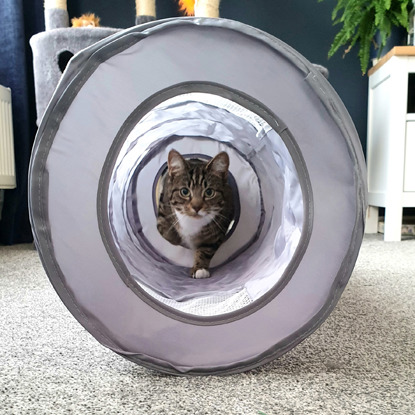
(53, 48)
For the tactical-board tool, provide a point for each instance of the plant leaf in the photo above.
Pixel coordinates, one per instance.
(360, 20)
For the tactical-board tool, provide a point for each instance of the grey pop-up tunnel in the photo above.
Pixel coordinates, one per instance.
(297, 171)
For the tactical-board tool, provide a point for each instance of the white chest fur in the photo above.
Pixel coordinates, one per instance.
(190, 227)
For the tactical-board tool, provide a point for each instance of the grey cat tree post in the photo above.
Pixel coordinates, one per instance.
(58, 43)
(53, 48)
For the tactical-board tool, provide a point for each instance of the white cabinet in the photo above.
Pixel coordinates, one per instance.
(409, 175)
(391, 140)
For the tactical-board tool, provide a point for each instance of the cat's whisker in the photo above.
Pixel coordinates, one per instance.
(219, 225)
(174, 224)
(224, 217)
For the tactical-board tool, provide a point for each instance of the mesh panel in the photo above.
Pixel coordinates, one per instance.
(220, 102)
(206, 306)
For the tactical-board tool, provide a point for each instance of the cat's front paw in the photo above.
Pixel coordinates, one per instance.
(200, 273)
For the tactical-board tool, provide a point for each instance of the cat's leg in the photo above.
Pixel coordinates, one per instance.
(167, 231)
(202, 258)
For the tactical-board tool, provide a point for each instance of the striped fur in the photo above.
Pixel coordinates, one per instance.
(196, 207)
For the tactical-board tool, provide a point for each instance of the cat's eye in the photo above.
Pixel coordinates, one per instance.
(209, 193)
(184, 192)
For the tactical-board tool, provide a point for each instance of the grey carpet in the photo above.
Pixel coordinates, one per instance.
(361, 361)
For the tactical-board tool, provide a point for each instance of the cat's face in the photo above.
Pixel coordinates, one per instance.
(198, 188)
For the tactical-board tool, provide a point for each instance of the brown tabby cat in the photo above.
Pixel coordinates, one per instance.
(196, 207)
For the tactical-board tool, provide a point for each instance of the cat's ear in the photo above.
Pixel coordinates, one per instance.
(176, 163)
(219, 165)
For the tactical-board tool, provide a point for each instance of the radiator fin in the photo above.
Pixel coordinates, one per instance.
(7, 163)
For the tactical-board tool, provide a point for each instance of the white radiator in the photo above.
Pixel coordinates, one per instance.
(7, 166)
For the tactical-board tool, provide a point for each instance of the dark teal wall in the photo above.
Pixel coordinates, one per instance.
(303, 24)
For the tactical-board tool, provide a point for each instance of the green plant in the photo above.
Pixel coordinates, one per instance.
(362, 19)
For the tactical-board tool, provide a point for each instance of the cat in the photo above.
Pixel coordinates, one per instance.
(196, 207)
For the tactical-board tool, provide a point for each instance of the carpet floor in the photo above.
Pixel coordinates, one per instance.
(361, 360)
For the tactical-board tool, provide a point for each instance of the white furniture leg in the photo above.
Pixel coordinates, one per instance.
(393, 222)
(372, 219)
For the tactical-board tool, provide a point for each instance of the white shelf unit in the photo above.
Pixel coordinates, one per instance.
(391, 141)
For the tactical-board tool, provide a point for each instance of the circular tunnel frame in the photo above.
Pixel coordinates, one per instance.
(94, 293)
(102, 211)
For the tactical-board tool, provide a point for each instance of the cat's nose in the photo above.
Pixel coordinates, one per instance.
(196, 205)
